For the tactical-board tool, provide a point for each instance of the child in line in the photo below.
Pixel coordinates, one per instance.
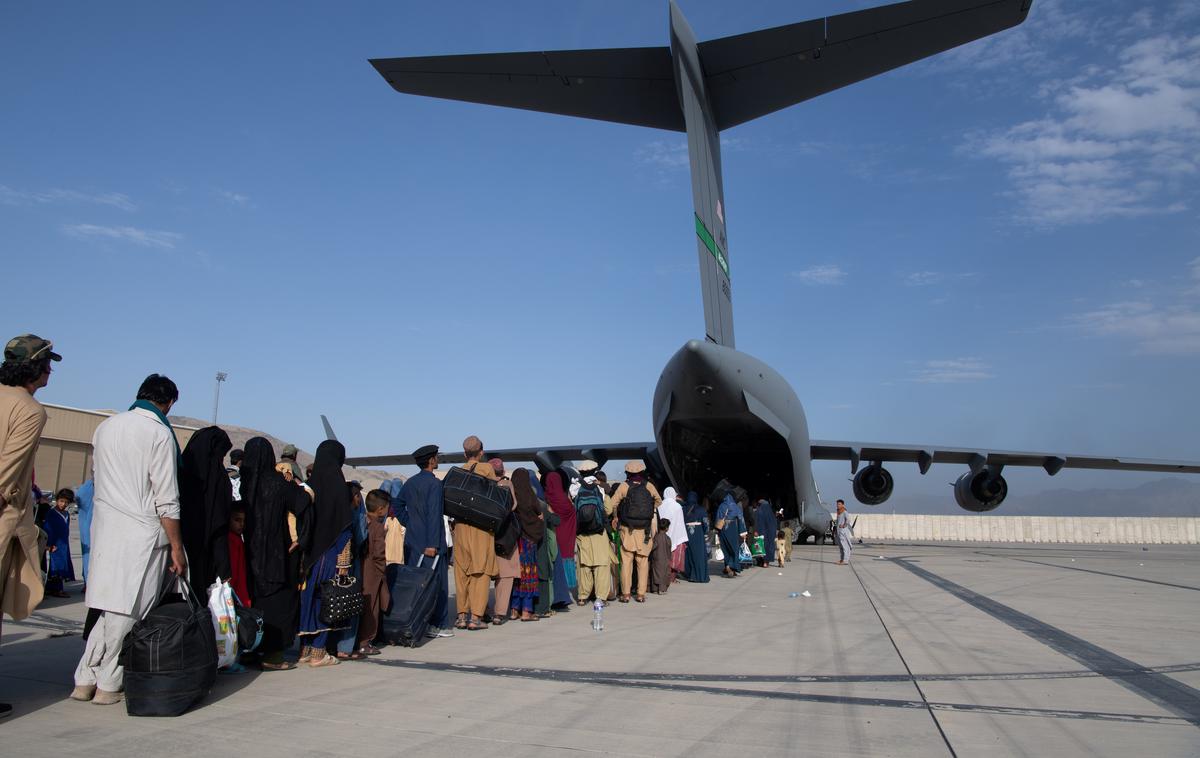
(780, 546)
(660, 559)
(237, 554)
(58, 545)
(374, 571)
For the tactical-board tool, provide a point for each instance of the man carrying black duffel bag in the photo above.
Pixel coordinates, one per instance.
(136, 538)
(474, 552)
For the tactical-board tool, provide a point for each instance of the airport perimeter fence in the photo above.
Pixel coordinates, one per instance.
(1116, 530)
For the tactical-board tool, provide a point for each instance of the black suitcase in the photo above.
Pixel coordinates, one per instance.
(475, 500)
(414, 594)
(170, 657)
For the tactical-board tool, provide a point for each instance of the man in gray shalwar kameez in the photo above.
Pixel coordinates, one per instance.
(136, 539)
(844, 532)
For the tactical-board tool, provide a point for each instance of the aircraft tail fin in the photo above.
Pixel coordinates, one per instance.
(717, 84)
(329, 435)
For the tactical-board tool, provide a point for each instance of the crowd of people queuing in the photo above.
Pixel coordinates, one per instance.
(207, 513)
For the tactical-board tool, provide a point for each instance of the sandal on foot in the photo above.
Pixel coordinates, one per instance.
(640, 598)
(369, 650)
(474, 625)
(281, 666)
(499, 620)
(461, 621)
(624, 598)
(325, 660)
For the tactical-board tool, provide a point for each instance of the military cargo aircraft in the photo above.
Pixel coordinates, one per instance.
(719, 413)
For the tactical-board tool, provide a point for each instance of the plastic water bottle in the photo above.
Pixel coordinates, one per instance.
(598, 615)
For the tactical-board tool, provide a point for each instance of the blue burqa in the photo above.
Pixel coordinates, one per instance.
(695, 559)
(731, 534)
(768, 525)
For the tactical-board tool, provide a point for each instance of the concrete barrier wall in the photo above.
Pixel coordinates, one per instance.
(1069, 529)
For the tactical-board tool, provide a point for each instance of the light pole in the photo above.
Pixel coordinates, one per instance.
(217, 395)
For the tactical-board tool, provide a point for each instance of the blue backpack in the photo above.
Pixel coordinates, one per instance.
(589, 510)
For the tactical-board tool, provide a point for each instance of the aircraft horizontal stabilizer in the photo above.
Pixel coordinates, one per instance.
(751, 75)
(628, 85)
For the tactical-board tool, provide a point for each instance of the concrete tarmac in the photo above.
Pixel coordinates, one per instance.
(961, 649)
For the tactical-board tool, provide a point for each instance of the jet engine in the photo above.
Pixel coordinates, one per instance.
(980, 491)
(873, 485)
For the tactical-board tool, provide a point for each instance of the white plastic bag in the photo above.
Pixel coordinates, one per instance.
(224, 617)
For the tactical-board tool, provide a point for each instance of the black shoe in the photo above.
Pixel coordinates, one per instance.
(5, 710)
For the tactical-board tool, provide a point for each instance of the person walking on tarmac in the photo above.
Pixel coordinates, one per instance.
(844, 533)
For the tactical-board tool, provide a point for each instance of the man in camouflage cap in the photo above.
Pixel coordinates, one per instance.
(288, 456)
(26, 369)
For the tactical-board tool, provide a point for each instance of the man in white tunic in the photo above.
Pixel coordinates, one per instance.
(136, 539)
(844, 533)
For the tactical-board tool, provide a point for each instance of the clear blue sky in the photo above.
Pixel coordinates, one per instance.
(997, 247)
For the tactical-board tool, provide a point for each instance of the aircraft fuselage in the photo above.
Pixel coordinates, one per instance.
(722, 414)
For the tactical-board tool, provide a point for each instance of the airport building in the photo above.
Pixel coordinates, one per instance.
(64, 457)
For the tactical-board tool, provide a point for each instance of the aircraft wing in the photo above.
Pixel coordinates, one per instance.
(926, 455)
(753, 74)
(551, 457)
(633, 85)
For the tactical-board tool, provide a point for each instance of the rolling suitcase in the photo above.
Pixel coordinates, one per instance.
(413, 598)
(475, 500)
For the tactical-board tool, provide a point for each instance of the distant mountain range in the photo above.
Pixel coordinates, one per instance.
(1163, 497)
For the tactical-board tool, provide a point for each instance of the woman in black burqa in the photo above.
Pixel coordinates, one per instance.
(268, 498)
(328, 551)
(205, 499)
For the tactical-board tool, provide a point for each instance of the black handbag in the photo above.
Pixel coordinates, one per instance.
(249, 626)
(341, 599)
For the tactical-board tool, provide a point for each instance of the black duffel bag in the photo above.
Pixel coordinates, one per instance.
(170, 657)
(475, 500)
(341, 599)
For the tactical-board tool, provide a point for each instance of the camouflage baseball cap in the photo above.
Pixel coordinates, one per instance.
(29, 347)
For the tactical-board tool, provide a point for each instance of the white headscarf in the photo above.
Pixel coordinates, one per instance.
(673, 511)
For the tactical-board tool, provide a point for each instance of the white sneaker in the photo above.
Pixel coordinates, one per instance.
(441, 633)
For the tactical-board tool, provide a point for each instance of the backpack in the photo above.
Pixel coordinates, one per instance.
(638, 507)
(589, 510)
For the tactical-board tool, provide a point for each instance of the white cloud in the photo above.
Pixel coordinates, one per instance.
(1167, 324)
(923, 278)
(143, 237)
(1157, 329)
(11, 196)
(1117, 141)
(664, 154)
(952, 371)
(235, 198)
(823, 274)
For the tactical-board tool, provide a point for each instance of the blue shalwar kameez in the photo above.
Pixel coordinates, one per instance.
(421, 503)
